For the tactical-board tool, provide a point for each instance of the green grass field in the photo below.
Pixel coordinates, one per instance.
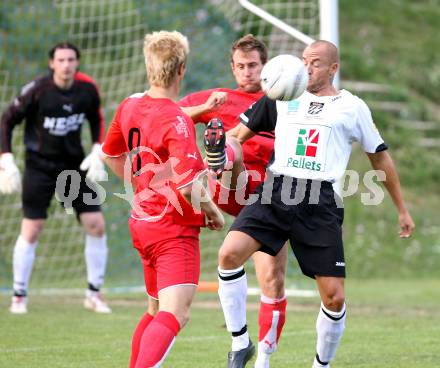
(389, 324)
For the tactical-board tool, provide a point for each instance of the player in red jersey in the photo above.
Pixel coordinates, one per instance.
(247, 166)
(55, 106)
(155, 140)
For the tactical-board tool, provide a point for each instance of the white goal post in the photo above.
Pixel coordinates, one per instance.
(328, 23)
(276, 22)
(110, 35)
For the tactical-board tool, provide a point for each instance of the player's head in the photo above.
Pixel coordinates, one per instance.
(322, 61)
(165, 57)
(248, 55)
(64, 62)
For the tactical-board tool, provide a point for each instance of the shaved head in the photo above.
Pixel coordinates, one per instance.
(326, 49)
(321, 59)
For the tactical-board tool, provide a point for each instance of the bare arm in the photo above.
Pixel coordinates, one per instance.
(196, 195)
(214, 101)
(117, 164)
(241, 132)
(382, 161)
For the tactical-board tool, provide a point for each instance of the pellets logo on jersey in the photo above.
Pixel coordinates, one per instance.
(315, 108)
(306, 154)
(307, 143)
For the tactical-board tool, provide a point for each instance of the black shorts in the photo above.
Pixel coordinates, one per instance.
(39, 184)
(312, 222)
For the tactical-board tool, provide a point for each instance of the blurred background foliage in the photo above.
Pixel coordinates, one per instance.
(393, 43)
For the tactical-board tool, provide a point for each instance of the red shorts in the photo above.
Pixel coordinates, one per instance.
(169, 252)
(232, 201)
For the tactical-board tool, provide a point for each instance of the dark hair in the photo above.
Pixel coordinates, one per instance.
(64, 45)
(250, 43)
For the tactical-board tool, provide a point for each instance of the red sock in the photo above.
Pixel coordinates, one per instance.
(271, 320)
(157, 340)
(230, 154)
(137, 335)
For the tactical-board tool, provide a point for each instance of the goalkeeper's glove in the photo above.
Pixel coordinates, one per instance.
(93, 165)
(10, 180)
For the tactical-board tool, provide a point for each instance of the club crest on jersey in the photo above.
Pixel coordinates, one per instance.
(68, 107)
(181, 127)
(315, 108)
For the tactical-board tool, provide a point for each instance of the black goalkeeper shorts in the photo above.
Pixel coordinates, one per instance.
(39, 184)
(312, 222)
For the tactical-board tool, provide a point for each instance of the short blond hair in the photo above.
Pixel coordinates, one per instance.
(164, 52)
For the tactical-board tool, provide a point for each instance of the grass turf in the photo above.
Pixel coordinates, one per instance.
(389, 324)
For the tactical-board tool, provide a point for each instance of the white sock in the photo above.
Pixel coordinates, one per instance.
(317, 365)
(263, 359)
(330, 327)
(240, 342)
(22, 263)
(233, 292)
(96, 259)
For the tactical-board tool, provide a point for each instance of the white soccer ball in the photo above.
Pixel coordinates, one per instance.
(284, 78)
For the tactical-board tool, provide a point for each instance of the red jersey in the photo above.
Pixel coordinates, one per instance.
(164, 156)
(257, 151)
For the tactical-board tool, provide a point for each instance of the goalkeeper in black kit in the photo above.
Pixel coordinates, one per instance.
(54, 107)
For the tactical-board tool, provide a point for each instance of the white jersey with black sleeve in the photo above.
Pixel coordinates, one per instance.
(314, 134)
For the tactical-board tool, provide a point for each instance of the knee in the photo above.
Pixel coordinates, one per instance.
(31, 233)
(98, 230)
(183, 317)
(31, 237)
(228, 259)
(334, 300)
(95, 227)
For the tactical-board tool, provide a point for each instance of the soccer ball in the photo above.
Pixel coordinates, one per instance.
(284, 78)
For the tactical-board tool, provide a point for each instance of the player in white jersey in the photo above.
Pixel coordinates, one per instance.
(297, 202)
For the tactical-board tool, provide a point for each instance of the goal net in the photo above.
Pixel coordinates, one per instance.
(110, 36)
(256, 17)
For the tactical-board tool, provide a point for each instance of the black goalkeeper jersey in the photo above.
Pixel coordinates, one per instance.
(54, 118)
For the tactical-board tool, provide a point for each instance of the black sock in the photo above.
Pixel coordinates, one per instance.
(93, 287)
(319, 360)
(20, 293)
